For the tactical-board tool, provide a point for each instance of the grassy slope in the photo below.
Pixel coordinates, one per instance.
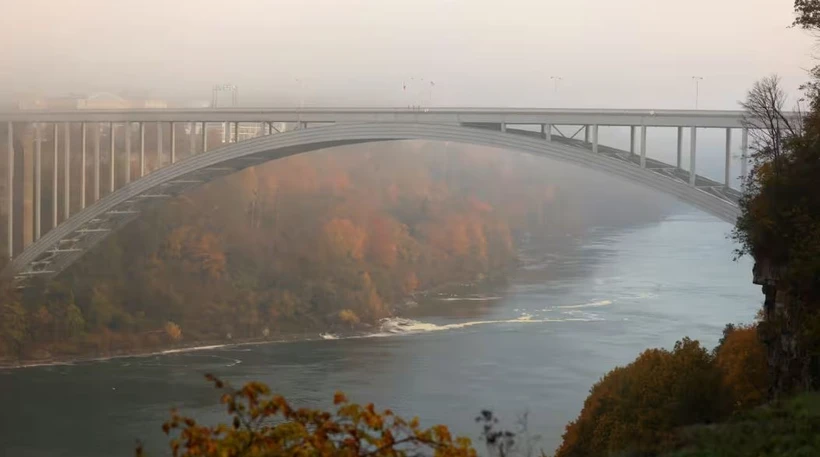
(790, 429)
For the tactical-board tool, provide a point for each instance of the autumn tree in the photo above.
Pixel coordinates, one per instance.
(264, 424)
(741, 358)
(639, 407)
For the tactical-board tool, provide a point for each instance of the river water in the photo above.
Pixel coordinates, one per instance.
(535, 345)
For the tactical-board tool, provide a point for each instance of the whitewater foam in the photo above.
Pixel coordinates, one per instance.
(329, 336)
(594, 304)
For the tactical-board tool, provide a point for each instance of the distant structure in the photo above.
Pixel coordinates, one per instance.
(97, 101)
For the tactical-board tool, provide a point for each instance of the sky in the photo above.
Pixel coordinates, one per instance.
(608, 54)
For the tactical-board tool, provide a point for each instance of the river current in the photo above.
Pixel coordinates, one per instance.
(536, 345)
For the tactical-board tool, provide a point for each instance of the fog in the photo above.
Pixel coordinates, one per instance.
(630, 53)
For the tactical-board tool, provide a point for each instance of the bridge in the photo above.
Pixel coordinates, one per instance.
(222, 141)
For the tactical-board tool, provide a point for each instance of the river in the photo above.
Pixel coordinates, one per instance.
(535, 345)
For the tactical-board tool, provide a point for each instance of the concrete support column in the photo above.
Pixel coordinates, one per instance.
(38, 184)
(680, 147)
(84, 136)
(503, 127)
(548, 132)
(632, 140)
(112, 128)
(693, 148)
(192, 138)
(267, 128)
(66, 171)
(727, 176)
(204, 137)
(586, 134)
(127, 152)
(142, 149)
(236, 132)
(595, 139)
(159, 145)
(10, 188)
(643, 146)
(173, 142)
(744, 154)
(96, 161)
(55, 175)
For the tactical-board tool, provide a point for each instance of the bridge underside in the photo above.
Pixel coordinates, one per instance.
(63, 245)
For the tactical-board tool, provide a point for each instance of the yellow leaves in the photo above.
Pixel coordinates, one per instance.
(264, 425)
(173, 331)
(343, 238)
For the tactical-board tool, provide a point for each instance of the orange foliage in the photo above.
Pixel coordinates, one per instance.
(263, 424)
(343, 238)
(742, 360)
(381, 243)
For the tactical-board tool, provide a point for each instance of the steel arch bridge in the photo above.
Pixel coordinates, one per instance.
(67, 241)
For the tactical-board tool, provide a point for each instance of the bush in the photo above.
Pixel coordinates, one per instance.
(741, 358)
(639, 407)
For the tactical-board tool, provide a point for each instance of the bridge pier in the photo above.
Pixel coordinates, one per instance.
(632, 140)
(680, 147)
(643, 146)
(744, 154)
(54, 175)
(37, 180)
(173, 142)
(112, 139)
(83, 138)
(191, 139)
(127, 152)
(586, 134)
(595, 138)
(142, 149)
(727, 176)
(204, 137)
(10, 187)
(693, 148)
(67, 171)
(159, 146)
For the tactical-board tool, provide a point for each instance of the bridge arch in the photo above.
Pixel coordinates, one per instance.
(67, 242)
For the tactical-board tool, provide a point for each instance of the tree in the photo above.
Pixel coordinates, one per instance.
(639, 407)
(741, 357)
(779, 226)
(263, 424)
(13, 326)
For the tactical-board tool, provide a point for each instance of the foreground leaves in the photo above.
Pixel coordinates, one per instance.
(263, 424)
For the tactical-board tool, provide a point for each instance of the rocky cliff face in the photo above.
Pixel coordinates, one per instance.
(789, 364)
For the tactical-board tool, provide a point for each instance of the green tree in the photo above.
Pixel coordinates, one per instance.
(13, 326)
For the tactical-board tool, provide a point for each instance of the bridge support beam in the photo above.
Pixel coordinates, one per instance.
(38, 184)
(192, 138)
(727, 175)
(10, 186)
(546, 132)
(96, 162)
(127, 152)
(693, 150)
(503, 127)
(84, 136)
(159, 146)
(173, 142)
(632, 140)
(204, 137)
(66, 171)
(595, 138)
(680, 147)
(55, 173)
(744, 154)
(142, 149)
(586, 134)
(643, 146)
(235, 132)
(113, 130)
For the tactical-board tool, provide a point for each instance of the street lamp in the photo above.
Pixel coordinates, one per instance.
(697, 80)
(555, 80)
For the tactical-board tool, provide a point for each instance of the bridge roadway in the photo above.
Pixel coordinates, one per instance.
(511, 129)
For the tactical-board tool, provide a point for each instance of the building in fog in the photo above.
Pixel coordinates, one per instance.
(97, 101)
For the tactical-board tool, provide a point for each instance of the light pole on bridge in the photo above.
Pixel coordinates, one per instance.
(697, 80)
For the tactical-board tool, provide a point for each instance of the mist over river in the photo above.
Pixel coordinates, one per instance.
(537, 344)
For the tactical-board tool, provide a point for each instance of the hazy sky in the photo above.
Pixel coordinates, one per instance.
(624, 53)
